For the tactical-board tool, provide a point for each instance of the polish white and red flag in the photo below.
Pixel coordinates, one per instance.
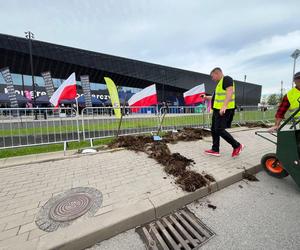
(193, 95)
(66, 91)
(144, 98)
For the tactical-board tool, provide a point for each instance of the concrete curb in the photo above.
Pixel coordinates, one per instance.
(164, 204)
(46, 157)
(107, 225)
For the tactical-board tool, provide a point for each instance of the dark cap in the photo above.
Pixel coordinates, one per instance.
(297, 76)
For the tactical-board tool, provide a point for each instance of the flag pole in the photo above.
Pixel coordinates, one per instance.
(77, 109)
(120, 122)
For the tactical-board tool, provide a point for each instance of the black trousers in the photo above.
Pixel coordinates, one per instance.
(219, 124)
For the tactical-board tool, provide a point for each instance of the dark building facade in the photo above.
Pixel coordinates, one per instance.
(132, 75)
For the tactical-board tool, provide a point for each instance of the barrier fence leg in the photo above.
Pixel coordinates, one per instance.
(78, 127)
(65, 147)
(264, 117)
(160, 125)
(241, 117)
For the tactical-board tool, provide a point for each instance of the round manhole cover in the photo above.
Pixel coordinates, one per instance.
(71, 207)
(62, 209)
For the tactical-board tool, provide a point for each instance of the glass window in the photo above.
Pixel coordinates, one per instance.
(1, 79)
(56, 82)
(101, 86)
(27, 80)
(93, 86)
(17, 79)
(125, 89)
(97, 86)
(39, 81)
(131, 90)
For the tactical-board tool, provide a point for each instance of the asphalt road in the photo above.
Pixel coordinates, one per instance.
(262, 215)
(249, 215)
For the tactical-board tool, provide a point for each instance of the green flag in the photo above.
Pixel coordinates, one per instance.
(114, 96)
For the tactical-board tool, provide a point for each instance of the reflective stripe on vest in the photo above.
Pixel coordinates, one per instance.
(224, 93)
(293, 95)
(220, 96)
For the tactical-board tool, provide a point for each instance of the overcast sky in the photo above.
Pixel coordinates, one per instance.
(253, 38)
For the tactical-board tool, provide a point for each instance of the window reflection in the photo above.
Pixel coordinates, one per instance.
(17, 79)
(1, 79)
(39, 81)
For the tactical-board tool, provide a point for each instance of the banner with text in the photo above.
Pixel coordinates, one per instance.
(86, 88)
(10, 87)
(48, 83)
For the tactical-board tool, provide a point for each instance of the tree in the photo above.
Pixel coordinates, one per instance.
(264, 99)
(273, 99)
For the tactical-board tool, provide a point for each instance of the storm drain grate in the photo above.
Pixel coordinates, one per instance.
(179, 230)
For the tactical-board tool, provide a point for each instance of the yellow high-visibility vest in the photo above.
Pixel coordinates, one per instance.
(293, 96)
(220, 96)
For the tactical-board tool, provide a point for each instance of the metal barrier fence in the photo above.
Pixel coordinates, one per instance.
(179, 117)
(21, 127)
(173, 118)
(38, 126)
(101, 122)
(255, 114)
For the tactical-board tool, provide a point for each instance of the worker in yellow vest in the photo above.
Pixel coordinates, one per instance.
(289, 102)
(223, 104)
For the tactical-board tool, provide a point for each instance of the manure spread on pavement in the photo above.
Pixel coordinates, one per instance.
(186, 134)
(174, 163)
(257, 125)
(249, 177)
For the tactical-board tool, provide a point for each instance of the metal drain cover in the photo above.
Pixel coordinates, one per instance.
(64, 208)
(179, 230)
(71, 207)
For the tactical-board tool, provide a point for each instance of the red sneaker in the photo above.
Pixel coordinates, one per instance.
(236, 152)
(211, 152)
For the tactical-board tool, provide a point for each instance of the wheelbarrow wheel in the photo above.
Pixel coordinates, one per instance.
(273, 166)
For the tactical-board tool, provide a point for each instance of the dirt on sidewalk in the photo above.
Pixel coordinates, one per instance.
(257, 125)
(186, 134)
(174, 163)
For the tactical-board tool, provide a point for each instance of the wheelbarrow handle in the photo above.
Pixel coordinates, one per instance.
(259, 133)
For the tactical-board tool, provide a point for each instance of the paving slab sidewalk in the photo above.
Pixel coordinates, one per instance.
(135, 190)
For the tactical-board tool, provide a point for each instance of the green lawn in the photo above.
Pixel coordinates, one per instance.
(5, 153)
